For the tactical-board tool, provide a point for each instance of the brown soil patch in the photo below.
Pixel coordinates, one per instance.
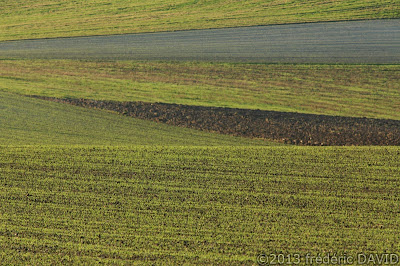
(285, 127)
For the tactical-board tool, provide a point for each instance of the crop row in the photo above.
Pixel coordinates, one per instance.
(195, 205)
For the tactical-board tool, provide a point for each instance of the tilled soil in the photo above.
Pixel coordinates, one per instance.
(367, 41)
(285, 127)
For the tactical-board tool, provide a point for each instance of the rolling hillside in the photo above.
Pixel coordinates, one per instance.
(86, 186)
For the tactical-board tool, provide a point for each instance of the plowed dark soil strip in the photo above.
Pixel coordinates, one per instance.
(291, 128)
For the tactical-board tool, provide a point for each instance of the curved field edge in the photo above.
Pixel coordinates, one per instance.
(215, 205)
(284, 127)
(30, 121)
(329, 89)
(44, 19)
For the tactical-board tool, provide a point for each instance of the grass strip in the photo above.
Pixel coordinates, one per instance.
(345, 90)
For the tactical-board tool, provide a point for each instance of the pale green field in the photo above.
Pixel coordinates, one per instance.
(30, 121)
(22, 19)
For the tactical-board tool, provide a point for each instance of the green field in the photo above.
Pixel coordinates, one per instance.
(30, 121)
(84, 186)
(347, 90)
(195, 205)
(22, 19)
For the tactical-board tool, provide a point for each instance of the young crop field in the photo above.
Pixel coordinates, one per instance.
(195, 205)
(55, 18)
(36, 122)
(218, 176)
(346, 90)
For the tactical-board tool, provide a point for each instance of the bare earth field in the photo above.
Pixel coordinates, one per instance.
(374, 41)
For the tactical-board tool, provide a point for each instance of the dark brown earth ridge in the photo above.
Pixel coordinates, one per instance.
(285, 127)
